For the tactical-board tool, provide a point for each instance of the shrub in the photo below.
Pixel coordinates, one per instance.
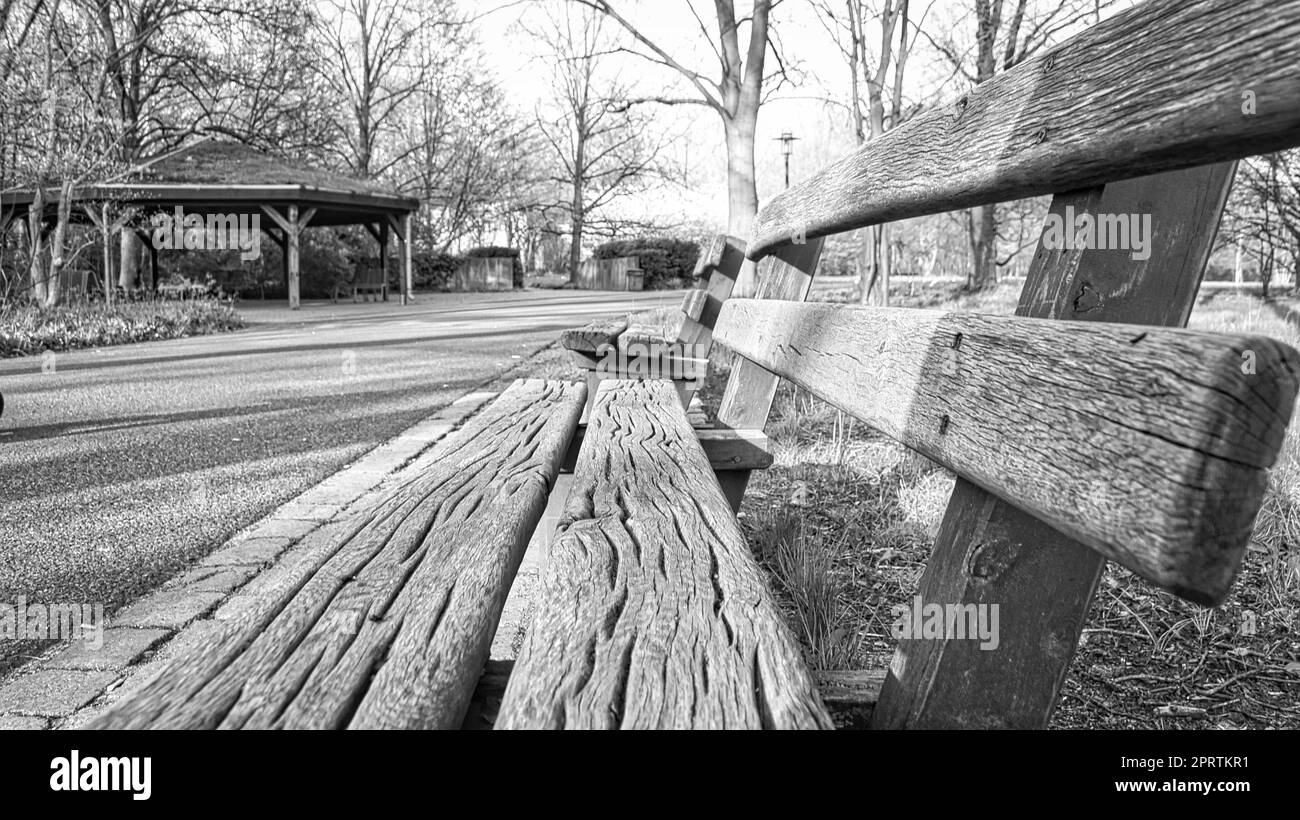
(28, 330)
(666, 262)
(434, 270)
(498, 251)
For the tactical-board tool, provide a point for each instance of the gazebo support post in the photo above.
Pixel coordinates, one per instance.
(407, 278)
(292, 256)
(402, 227)
(292, 225)
(383, 257)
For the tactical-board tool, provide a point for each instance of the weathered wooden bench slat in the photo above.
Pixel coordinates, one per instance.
(652, 612)
(1147, 444)
(394, 627)
(724, 448)
(1162, 86)
(590, 337)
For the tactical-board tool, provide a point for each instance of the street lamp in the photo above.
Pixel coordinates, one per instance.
(787, 147)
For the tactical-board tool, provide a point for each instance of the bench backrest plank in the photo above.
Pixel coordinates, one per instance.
(1150, 445)
(1168, 84)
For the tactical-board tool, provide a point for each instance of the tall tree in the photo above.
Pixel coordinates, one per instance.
(883, 109)
(373, 56)
(735, 95)
(598, 140)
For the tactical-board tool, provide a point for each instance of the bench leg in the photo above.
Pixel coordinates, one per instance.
(988, 552)
(733, 484)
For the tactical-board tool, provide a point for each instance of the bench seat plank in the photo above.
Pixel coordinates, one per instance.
(393, 629)
(652, 612)
(1148, 444)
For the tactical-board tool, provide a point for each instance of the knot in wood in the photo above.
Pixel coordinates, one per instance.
(990, 559)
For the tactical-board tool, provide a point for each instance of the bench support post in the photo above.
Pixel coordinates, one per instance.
(989, 552)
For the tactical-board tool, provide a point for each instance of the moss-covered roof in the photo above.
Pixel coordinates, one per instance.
(222, 162)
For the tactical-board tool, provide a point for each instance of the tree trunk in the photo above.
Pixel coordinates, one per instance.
(35, 246)
(886, 266)
(984, 226)
(575, 248)
(742, 192)
(983, 245)
(578, 206)
(874, 289)
(129, 259)
(866, 262)
(54, 292)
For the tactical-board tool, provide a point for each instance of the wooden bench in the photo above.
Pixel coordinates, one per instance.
(372, 279)
(1089, 427)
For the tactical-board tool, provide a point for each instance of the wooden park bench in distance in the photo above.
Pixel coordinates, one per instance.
(1089, 427)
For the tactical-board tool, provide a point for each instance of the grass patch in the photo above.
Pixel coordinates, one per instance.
(28, 330)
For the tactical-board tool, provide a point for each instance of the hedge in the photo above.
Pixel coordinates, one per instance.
(666, 262)
(434, 270)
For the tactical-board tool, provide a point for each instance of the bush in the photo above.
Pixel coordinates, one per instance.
(434, 270)
(28, 330)
(498, 251)
(666, 262)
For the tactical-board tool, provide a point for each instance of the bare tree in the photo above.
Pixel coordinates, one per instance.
(373, 60)
(736, 95)
(1003, 38)
(1264, 212)
(598, 139)
(883, 109)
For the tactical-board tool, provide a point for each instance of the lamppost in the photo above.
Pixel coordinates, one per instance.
(787, 147)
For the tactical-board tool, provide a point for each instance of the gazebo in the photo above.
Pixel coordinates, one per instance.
(218, 178)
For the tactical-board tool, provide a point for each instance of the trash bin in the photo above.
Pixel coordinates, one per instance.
(635, 279)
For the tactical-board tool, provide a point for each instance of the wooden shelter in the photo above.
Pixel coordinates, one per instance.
(218, 177)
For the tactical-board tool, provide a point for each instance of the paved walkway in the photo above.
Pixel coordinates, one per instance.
(126, 467)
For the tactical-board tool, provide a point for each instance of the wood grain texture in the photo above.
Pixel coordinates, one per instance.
(721, 264)
(653, 613)
(693, 303)
(714, 256)
(590, 337)
(646, 333)
(989, 552)
(394, 627)
(1147, 444)
(1155, 88)
(724, 448)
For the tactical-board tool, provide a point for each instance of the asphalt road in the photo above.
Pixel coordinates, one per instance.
(124, 465)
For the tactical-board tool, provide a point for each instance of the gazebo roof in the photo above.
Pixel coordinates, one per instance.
(212, 176)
